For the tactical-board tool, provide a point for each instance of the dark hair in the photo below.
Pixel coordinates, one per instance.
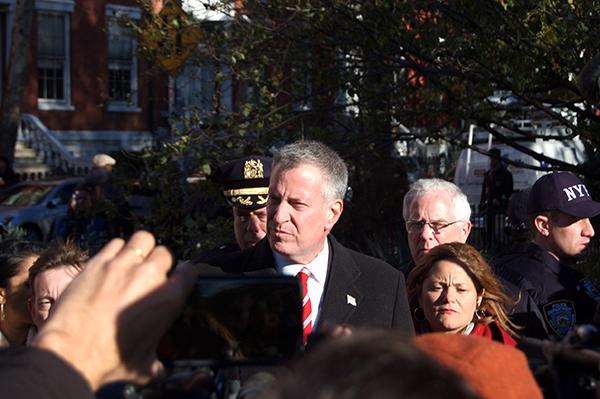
(59, 253)
(13, 255)
(370, 364)
(495, 300)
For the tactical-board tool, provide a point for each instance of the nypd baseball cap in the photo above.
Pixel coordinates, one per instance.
(564, 192)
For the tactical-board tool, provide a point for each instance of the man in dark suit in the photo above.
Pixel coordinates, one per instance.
(307, 186)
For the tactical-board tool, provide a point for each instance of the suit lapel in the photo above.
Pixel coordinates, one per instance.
(341, 296)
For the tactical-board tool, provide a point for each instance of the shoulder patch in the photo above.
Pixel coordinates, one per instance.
(586, 286)
(560, 316)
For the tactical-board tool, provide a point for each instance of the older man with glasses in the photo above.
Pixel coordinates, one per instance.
(436, 212)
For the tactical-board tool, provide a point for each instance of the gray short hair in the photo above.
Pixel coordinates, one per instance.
(462, 209)
(319, 155)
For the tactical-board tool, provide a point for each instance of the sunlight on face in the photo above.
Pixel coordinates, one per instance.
(298, 216)
(436, 206)
(448, 297)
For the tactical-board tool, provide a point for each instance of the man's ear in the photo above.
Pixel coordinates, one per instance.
(465, 230)
(334, 211)
(541, 223)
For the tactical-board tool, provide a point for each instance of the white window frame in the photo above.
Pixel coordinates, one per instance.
(195, 87)
(116, 11)
(65, 9)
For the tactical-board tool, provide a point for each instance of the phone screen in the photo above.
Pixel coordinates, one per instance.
(237, 319)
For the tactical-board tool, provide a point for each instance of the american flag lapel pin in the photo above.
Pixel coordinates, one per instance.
(350, 300)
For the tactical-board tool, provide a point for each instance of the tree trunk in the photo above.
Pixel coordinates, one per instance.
(16, 77)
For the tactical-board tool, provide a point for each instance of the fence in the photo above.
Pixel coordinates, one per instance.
(502, 238)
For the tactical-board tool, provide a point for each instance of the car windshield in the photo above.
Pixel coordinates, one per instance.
(24, 195)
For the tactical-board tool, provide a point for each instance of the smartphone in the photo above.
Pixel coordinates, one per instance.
(236, 320)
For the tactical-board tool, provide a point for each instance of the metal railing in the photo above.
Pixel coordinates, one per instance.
(478, 237)
(37, 137)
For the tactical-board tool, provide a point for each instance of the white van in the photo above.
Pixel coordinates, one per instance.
(472, 165)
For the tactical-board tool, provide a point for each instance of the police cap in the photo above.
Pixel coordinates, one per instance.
(564, 192)
(245, 181)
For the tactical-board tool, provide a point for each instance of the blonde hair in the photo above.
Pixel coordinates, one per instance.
(494, 301)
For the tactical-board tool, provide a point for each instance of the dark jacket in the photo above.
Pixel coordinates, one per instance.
(378, 288)
(554, 296)
(27, 373)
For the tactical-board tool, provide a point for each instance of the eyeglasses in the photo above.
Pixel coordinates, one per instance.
(416, 226)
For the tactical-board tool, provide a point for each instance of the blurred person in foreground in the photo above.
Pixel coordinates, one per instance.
(491, 369)
(435, 212)
(105, 327)
(453, 290)
(554, 296)
(370, 364)
(50, 275)
(384, 365)
(246, 189)
(15, 319)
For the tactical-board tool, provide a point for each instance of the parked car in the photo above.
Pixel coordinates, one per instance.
(36, 205)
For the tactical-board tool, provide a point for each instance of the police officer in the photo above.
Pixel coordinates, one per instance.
(496, 189)
(554, 296)
(246, 187)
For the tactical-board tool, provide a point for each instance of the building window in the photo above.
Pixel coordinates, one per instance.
(198, 90)
(122, 60)
(53, 60)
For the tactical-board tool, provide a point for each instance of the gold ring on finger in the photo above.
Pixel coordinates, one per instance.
(138, 252)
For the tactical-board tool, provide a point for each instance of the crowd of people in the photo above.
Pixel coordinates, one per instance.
(446, 323)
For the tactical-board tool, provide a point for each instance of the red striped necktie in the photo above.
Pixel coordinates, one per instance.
(306, 306)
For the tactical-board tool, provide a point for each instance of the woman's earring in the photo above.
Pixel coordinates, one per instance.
(480, 314)
(2, 316)
(419, 314)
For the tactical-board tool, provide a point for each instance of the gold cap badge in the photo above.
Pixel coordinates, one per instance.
(253, 169)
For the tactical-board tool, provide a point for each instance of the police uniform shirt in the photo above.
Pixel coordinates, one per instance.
(554, 296)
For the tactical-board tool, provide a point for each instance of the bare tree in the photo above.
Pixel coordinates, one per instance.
(16, 77)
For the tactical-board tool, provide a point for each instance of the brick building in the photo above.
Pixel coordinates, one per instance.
(86, 83)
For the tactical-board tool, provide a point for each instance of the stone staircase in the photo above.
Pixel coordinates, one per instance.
(28, 165)
(39, 154)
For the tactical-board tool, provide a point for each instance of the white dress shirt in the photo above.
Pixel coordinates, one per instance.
(316, 279)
